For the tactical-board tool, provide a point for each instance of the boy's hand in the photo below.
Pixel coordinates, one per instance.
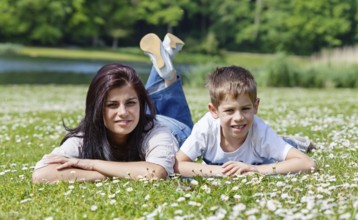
(234, 167)
(68, 162)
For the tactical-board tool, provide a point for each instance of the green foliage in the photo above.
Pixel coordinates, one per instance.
(46, 34)
(161, 12)
(295, 27)
(233, 22)
(198, 74)
(31, 126)
(284, 72)
(330, 75)
(281, 72)
(305, 26)
(208, 45)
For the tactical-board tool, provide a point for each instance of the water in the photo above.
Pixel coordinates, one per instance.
(35, 70)
(51, 65)
(47, 65)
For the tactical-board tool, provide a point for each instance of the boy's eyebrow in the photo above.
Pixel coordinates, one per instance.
(241, 106)
(248, 104)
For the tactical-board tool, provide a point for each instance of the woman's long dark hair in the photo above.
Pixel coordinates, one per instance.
(96, 142)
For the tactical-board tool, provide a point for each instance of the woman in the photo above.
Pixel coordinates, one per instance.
(121, 135)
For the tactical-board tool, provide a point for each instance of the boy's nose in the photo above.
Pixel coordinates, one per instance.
(238, 115)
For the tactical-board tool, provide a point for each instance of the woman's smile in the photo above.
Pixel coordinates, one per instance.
(121, 111)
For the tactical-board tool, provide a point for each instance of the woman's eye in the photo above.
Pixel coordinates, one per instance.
(131, 103)
(112, 105)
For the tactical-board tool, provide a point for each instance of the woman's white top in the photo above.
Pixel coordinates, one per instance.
(159, 147)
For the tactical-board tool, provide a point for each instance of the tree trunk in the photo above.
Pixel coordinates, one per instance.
(258, 6)
(115, 43)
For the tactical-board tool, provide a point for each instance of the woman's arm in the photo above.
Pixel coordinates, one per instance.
(50, 174)
(139, 169)
(187, 168)
(133, 170)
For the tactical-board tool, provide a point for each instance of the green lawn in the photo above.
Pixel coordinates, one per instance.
(31, 125)
(132, 55)
(249, 60)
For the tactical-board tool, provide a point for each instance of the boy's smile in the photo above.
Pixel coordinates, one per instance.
(236, 117)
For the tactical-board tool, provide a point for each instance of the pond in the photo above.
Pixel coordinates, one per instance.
(17, 69)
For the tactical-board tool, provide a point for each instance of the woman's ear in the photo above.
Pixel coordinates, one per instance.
(256, 104)
(213, 110)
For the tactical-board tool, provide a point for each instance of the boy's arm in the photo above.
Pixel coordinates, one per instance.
(295, 162)
(187, 168)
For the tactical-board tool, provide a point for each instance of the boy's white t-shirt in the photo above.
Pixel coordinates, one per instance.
(262, 144)
(159, 147)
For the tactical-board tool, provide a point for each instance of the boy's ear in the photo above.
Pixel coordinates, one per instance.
(256, 104)
(213, 110)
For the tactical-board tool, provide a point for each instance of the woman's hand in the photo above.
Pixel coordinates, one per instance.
(68, 162)
(234, 168)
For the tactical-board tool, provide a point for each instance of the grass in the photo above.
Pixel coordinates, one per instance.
(31, 125)
(82, 54)
(249, 60)
(134, 54)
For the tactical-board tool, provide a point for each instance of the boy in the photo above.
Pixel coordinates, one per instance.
(232, 139)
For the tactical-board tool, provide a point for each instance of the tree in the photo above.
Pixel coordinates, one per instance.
(234, 23)
(161, 12)
(304, 27)
(122, 16)
(38, 20)
(87, 21)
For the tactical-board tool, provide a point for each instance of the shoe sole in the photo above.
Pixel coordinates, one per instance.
(151, 44)
(174, 40)
(304, 145)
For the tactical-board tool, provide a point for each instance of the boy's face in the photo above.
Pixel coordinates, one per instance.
(236, 117)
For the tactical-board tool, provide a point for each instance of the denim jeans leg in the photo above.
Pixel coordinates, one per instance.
(169, 101)
(180, 131)
(290, 142)
(153, 78)
(171, 105)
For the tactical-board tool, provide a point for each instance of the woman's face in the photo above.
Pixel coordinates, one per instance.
(121, 112)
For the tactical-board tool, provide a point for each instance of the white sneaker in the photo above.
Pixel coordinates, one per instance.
(300, 143)
(172, 44)
(153, 47)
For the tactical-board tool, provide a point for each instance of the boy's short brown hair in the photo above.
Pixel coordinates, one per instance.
(231, 80)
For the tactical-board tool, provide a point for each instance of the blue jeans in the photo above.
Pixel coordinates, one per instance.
(171, 105)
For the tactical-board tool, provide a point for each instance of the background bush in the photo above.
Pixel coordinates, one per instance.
(283, 72)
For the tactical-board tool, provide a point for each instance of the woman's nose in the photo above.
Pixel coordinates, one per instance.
(122, 110)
